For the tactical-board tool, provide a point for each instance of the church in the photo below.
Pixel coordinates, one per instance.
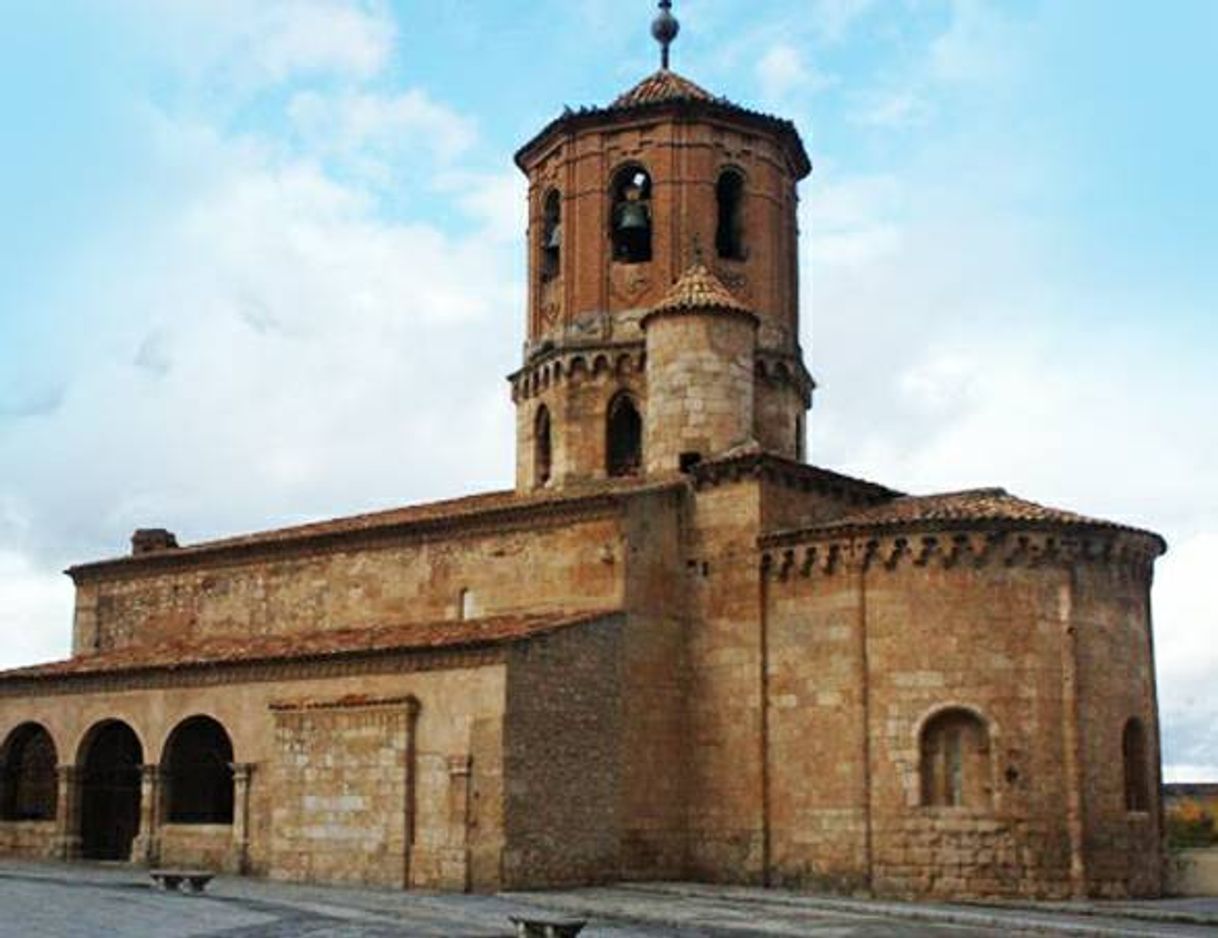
(674, 650)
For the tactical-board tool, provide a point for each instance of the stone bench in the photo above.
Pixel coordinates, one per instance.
(181, 880)
(533, 926)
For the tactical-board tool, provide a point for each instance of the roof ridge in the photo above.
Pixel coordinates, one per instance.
(663, 85)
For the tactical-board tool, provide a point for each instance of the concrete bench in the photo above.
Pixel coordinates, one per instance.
(183, 880)
(532, 926)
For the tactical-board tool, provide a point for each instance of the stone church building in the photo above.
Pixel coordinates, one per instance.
(675, 649)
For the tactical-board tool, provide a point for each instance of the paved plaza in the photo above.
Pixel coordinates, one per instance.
(72, 901)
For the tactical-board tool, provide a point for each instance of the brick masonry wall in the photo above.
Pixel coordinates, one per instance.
(684, 160)
(550, 566)
(563, 758)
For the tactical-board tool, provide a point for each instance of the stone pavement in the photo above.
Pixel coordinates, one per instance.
(44, 900)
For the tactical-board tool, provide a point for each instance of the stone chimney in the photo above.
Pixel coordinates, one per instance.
(152, 541)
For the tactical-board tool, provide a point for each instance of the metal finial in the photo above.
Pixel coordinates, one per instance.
(665, 29)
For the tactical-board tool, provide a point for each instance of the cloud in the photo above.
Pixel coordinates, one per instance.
(781, 70)
(36, 613)
(833, 19)
(244, 45)
(371, 133)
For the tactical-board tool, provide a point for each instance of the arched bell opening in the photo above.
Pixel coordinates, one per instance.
(28, 790)
(624, 437)
(729, 232)
(543, 453)
(551, 236)
(110, 791)
(198, 774)
(631, 218)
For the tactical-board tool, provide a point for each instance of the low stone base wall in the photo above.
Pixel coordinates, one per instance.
(27, 839)
(198, 846)
(1192, 872)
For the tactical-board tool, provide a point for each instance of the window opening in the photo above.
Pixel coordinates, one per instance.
(199, 774)
(551, 236)
(955, 761)
(689, 460)
(1133, 751)
(631, 223)
(729, 234)
(625, 437)
(29, 787)
(543, 451)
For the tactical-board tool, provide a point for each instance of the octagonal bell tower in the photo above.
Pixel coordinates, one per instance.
(623, 201)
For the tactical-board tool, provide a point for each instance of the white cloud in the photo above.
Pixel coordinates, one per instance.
(36, 618)
(833, 19)
(247, 44)
(782, 70)
(373, 132)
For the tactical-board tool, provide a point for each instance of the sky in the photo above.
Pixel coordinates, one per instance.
(261, 262)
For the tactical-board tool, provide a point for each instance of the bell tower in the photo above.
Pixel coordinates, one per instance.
(636, 210)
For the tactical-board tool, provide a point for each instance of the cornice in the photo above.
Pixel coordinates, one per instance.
(573, 362)
(975, 545)
(679, 110)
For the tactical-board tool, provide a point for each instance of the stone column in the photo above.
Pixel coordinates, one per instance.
(146, 847)
(240, 856)
(457, 862)
(66, 844)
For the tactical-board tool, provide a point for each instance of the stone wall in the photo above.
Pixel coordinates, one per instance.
(459, 723)
(700, 384)
(27, 839)
(553, 565)
(343, 777)
(725, 806)
(1123, 850)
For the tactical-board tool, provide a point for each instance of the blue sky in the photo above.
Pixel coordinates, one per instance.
(261, 261)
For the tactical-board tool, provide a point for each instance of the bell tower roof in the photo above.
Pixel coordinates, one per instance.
(699, 289)
(663, 85)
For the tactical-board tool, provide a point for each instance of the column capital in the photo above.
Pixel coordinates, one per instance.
(242, 771)
(67, 773)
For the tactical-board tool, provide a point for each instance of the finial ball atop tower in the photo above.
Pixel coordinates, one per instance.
(665, 29)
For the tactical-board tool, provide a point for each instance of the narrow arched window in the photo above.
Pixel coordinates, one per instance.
(729, 233)
(624, 437)
(1133, 752)
(543, 453)
(631, 216)
(29, 788)
(198, 773)
(954, 764)
(551, 236)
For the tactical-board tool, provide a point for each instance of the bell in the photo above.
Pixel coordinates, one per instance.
(554, 241)
(632, 216)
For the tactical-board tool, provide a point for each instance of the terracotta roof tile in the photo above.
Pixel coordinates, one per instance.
(663, 85)
(469, 507)
(699, 288)
(973, 506)
(329, 644)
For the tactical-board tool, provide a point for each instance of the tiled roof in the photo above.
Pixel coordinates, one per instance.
(973, 506)
(699, 288)
(329, 644)
(490, 505)
(663, 85)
